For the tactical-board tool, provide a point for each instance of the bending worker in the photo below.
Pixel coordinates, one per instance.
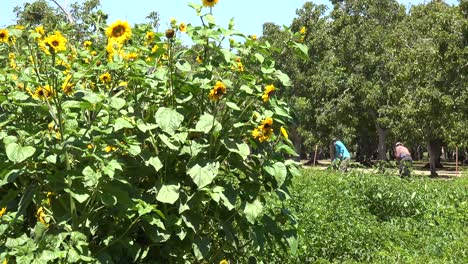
(403, 156)
(342, 154)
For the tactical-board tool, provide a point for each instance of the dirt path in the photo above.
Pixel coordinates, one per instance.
(447, 172)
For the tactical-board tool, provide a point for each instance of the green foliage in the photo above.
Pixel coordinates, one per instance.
(131, 148)
(379, 219)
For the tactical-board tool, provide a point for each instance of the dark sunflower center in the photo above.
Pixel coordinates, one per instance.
(266, 126)
(2, 35)
(55, 43)
(218, 91)
(118, 31)
(41, 92)
(211, 1)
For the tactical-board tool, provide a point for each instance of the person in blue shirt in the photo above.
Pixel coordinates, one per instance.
(341, 154)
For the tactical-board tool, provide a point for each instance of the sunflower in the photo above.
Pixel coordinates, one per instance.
(2, 211)
(303, 30)
(4, 35)
(110, 148)
(264, 131)
(105, 77)
(284, 132)
(40, 30)
(253, 37)
(210, 3)
(131, 56)
(267, 93)
(67, 86)
(120, 31)
(55, 42)
(183, 27)
(41, 215)
(87, 44)
(240, 66)
(42, 93)
(223, 262)
(170, 33)
(199, 59)
(218, 90)
(113, 47)
(149, 37)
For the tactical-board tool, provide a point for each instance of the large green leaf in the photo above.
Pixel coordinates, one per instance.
(201, 247)
(183, 65)
(168, 194)
(279, 171)
(17, 153)
(253, 210)
(203, 176)
(169, 120)
(155, 162)
(121, 122)
(207, 123)
(240, 148)
(80, 197)
(91, 177)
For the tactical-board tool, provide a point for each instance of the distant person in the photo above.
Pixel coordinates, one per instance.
(403, 156)
(341, 154)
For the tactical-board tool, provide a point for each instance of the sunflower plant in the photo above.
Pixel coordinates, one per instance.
(130, 147)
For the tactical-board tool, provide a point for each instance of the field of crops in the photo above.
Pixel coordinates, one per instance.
(366, 218)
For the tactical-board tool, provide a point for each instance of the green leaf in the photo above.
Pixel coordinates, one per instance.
(91, 178)
(233, 106)
(155, 162)
(121, 122)
(240, 148)
(169, 120)
(259, 57)
(183, 65)
(17, 153)
(228, 196)
(291, 239)
(202, 176)
(286, 149)
(302, 50)
(81, 198)
(8, 176)
(19, 96)
(165, 139)
(207, 123)
(279, 171)
(201, 247)
(143, 127)
(284, 78)
(110, 167)
(168, 194)
(227, 54)
(117, 103)
(253, 210)
(134, 150)
(93, 98)
(210, 19)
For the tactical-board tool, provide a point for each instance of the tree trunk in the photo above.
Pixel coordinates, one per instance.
(434, 150)
(382, 149)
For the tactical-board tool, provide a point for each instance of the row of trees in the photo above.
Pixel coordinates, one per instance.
(378, 74)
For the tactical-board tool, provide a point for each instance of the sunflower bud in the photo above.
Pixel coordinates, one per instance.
(170, 33)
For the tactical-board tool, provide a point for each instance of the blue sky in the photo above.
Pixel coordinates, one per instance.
(249, 15)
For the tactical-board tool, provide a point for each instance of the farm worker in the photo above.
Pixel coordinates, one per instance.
(341, 154)
(403, 156)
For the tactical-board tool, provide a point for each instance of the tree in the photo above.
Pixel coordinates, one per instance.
(434, 59)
